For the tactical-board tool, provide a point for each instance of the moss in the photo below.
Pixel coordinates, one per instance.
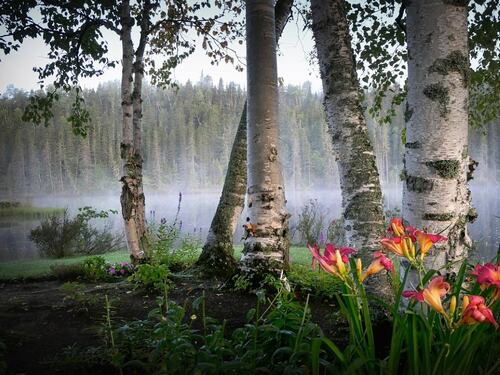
(364, 206)
(448, 169)
(438, 217)
(472, 215)
(440, 94)
(458, 3)
(408, 112)
(471, 168)
(413, 145)
(456, 61)
(418, 184)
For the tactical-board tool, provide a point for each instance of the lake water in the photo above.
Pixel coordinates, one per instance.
(197, 210)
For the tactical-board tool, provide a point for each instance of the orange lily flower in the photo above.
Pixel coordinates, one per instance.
(396, 227)
(432, 294)
(475, 311)
(393, 245)
(426, 240)
(401, 246)
(380, 262)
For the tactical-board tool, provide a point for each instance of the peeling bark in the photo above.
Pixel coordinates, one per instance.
(436, 196)
(217, 254)
(266, 251)
(132, 195)
(359, 178)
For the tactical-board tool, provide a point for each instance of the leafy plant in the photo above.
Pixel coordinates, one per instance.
(151, 276)
(76, 293)
(121, 269)
(95, 268)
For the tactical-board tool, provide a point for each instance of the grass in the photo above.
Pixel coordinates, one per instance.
(28, 212)
(35, 268)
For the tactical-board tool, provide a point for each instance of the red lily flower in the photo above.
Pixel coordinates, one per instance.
(488, 275)
(475, 311)
(432, 294)
(380, 262)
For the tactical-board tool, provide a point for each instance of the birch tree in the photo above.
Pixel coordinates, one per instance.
(77, 48)
(266, 246)
(359, 178)
(436, 195)
(217, 255)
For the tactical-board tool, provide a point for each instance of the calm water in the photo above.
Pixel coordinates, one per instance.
(197, 210)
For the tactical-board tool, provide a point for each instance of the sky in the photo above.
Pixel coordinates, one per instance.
(294, 66)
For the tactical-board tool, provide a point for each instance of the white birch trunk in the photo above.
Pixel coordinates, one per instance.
(359, 178)
(436, 196)
(131, 185)
(217, 255)
(267, 250)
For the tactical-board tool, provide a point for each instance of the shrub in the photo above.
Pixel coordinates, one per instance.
(316, 283)
(60, 236)
(311, 222)
(56, 236)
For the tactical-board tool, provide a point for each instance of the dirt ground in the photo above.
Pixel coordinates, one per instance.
(37, 322)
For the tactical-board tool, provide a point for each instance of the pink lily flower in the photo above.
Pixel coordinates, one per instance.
(328, 261)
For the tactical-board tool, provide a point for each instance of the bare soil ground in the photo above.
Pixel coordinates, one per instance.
(37, 322)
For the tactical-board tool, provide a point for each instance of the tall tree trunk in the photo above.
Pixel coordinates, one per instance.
(132, 198)
(266, 248)
(217, 255)
(435, 195)
(359, 178)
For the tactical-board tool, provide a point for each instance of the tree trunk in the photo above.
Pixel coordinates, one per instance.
(436, 196)
(266, 246)
(132, 197)
(359, 178)
(217, 255)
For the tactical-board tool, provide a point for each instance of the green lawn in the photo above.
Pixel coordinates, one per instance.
(28, 212)
(19, 269)
(24, 268)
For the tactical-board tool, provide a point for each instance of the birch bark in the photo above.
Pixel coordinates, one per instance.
(217, 255)
(132, 195)
(436, 196)
(266, 250)
(359, 179)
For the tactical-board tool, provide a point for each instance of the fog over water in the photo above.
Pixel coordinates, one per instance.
(197, 210)
(187, 139)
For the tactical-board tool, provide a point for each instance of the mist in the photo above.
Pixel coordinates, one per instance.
(187, 141)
